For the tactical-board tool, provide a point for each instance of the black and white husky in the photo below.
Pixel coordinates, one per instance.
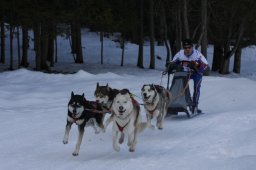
(156, 99)
(83, 113)
(126, 119)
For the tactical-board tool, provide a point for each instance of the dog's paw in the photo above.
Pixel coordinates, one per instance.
(75, 153)
(159, 126)
(152, 127)
(131, 149)
(116, 148)
(65, 142)
(97, 132)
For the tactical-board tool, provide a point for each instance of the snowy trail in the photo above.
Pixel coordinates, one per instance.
(33, 117)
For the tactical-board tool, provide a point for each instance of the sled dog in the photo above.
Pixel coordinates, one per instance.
(155, 99)
(83, 113)
(126, 119)
(105, 96)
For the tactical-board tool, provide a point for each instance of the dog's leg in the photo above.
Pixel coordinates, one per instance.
(133, 140)
(130, 139)
(79, 140)
(149, 117)
(99, 123)
(108, 121)
(163, 116)
(121, 139)
(67, 130)
(159, 121)
(95, 126)
(115, 145)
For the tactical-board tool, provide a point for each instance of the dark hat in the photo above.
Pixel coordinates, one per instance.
(187, 42)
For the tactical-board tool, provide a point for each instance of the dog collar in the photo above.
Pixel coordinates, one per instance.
(152, 111)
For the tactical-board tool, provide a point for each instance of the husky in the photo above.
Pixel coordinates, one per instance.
(83, 113)
(126, 119)
(156, 100)
(105, 96)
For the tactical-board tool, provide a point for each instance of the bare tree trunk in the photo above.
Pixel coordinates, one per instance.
(152, 35)
(164, 31)
(18, 45)
(172, 41)
(141, 36)
(51, 34)
(101, 47)
(237, 61)
(185, 18)
(224, 68)
(178, 27)
(122, 47)
(35, 38)
(2, 60)
(50, 56)
(73, 38)
(25, 45)
(204, 27)
(44, 45)
(37, 32)
(217, 55)
(11, 47)
(204, 42)
(79, 57)
(56, 49)
(228, 53)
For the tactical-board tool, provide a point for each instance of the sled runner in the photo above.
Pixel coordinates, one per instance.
(181, 99)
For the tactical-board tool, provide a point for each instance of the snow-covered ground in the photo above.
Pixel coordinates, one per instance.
(33, 109)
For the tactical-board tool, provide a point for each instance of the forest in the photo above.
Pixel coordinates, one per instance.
(228, 25)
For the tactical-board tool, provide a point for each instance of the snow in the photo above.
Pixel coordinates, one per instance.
(34, 109)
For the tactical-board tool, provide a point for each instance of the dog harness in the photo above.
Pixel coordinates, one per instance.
(121, 128)
(135, 103)
(75, 119)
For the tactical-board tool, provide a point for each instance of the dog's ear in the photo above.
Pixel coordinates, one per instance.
(97, 85)
(108, 88)
(143, 87)
(152, 86)
(72, 94)
(84, 99)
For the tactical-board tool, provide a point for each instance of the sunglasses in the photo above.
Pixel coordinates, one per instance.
(187, 47)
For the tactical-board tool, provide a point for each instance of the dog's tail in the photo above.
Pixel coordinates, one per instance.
(141, 127)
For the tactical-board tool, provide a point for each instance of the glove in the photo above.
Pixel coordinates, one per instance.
(193, 66)
(171, 68)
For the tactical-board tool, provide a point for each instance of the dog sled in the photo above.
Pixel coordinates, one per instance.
(181, 99)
